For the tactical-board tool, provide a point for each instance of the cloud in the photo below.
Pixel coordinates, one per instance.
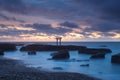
(2, 25)
(69, 24)
(13, 30)
(8, 18)
(102, 17)
(48, 29)
(16, 6)
(105, 9)
(104, 27)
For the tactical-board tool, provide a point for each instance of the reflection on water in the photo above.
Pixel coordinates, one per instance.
(97, 67)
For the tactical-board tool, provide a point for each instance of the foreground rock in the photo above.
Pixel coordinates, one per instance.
(116, 58)
(98, 55)
(63, 54)
(94, 50)
(38, 47)
(14, 70)
(7, 47)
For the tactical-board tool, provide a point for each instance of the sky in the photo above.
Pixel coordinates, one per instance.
(73, 20)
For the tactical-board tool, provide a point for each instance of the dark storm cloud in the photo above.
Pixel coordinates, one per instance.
(107, 27)
(106, 9)
(106, 16)
(39, 26)
(2, 16)
(16, 6)
(101, 15)
(69, 24)
(103, 27)
(47, 28)
(11, 30)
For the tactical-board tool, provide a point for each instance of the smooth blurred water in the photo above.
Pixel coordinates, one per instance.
(102, 68)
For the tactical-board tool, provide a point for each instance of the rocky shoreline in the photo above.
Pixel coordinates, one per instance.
(16, 70)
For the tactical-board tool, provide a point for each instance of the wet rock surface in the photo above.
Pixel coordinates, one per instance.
(116, 58)
(7, 47)
(62, 54)
(94, 50)
(98, 55)
(38, 47)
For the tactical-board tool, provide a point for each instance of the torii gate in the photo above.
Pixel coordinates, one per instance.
(58, 41)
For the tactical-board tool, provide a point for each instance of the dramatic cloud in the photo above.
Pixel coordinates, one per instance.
(105, 9)
(78, 19)
(104, 27)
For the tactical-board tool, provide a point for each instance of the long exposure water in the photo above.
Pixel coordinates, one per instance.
(101, 68)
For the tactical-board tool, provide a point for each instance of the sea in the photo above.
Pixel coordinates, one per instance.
(100, 68)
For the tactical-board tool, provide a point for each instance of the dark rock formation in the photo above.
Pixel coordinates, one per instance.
(1, 52)
(98, 55)
(31, 52)
(7, 47)
(82, 60)
(63, 54)
(116, 58)
(38, 47)
(94, 50)
(85, 65)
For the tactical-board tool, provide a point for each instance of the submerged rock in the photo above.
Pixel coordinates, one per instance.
(94, 50)
(57, 68)
(103, 45)
(62, 54)
(82, 60)
(116, 58)
(98, 55)
(85, 65)
(31, 52)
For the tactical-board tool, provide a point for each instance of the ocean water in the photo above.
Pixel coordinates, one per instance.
(101, 68)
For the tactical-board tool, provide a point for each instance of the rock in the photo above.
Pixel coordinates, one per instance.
(82, 60)
(85, 65)
(98, 55)
(94, 50)
(31, 52)
(7, 47)
(62, 54)
(103, 46)
(57, 68)
(116, 58)
(39, 47)
(1, 52)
